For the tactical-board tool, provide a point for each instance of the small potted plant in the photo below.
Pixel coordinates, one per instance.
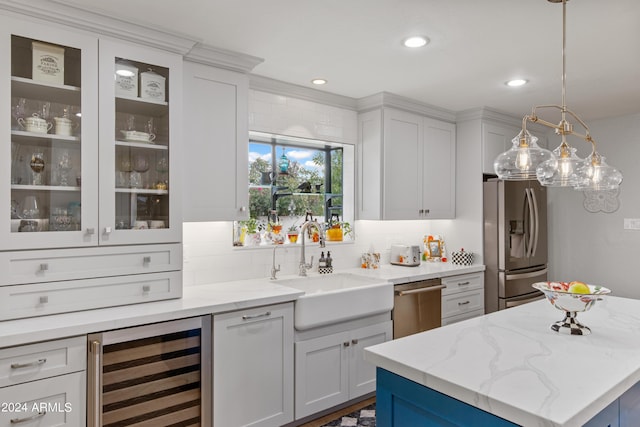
(292, 233)
(336, 230)
(252, 231)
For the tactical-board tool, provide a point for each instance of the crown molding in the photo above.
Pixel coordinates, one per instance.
(387, 99)
(222, 58)
(496, 116)
(72, 14)
(278, 87)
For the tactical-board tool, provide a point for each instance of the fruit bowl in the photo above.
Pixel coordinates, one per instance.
(571, 303)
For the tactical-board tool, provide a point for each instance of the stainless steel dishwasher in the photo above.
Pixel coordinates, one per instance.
(417, 307)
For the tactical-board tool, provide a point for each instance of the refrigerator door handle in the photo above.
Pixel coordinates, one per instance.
(530, 232)
(536, 222)
(526, 275)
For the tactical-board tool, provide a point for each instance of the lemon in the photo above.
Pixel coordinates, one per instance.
(578, 288)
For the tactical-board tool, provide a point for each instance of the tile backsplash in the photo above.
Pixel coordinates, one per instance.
(209, 256)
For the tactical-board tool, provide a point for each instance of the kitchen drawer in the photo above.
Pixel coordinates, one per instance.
(460, 317)
(462, 283)
(462, 302)
(22, 267)
(57, 401)
(42, 360)
(39, 299)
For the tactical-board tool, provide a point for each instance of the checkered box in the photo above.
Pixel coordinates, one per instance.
(462, 258)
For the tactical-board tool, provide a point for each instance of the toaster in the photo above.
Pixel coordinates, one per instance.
(408, 256)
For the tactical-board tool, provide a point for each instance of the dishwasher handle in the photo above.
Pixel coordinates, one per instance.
(420, 290)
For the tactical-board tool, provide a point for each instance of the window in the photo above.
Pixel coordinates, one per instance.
(293, 180)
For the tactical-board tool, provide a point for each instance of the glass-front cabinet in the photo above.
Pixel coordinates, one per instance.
(88, 158)
(49, 116)
(138, 104)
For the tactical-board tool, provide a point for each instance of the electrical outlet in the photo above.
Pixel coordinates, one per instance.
(632, 223)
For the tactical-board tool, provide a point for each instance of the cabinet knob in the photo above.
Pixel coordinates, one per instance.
(91, 231)
(146, 289)
(44, 267)
(146, 260)
(346, 344)
(426, 211)
(421, 211)
(43, 299)
(243, 208)
(107, 230)
(354, 341)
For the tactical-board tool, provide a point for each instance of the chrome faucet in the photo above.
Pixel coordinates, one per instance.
(274, 269)
(303, 232)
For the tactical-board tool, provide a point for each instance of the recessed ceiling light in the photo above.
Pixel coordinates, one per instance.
(416, 41)
(516, 82)
(319, 81)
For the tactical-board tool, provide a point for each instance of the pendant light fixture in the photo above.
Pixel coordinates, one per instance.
(562, 168)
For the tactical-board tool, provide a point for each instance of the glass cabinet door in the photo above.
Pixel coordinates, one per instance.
(49, 116)
(138, 131)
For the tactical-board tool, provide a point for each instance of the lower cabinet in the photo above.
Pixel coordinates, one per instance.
(44, 384)
(462, 298)
(331, 370)
(253, 367)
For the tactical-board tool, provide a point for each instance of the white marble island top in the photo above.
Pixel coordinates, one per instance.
(511, 364)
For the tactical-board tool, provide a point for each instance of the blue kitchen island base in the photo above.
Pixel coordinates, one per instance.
(401, 403)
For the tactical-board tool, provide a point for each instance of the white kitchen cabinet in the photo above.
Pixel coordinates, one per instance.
(216, 144)
(87, 169)
(462, 297)
(331, 370)
(253, 367)
(44, 384)
(406, 166)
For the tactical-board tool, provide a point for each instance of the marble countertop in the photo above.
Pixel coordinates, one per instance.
(511, 364)
(196, 301)
(398, 274)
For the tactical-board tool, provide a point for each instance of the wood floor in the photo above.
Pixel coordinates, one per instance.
(344, 411)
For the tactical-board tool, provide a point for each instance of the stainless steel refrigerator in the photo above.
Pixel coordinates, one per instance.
(515, 242)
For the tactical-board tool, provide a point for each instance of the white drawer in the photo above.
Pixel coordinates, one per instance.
(69, 264)
(462, 302)
(460, 317)
(39, 299)
(42, 360)
(462, 283)
(57, 401)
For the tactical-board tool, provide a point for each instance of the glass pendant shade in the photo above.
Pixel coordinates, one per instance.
(596, 175)
(522, 159)
(562, 170)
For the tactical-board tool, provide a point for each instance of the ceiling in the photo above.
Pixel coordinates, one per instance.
(476, 46)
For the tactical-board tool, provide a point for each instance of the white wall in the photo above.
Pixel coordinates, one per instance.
(208, 252)
(594, 247)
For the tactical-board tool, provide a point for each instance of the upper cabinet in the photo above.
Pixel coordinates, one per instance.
(406, 166)
(89, 163)
(140, 144)
(216, 144)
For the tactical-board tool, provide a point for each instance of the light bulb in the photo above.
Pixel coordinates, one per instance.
(565, 168)
(523, 160)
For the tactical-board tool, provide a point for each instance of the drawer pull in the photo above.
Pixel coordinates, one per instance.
(146, 260)
(464, 303)
(256, 316)
(28, 365)
(420, 290)
(354, 341)
(346, 344)
(31, 418)
(44, 299)
(464, 283)
(44, 267)
(91, 231)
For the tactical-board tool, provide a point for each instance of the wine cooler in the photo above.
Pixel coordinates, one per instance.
(152, 375)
